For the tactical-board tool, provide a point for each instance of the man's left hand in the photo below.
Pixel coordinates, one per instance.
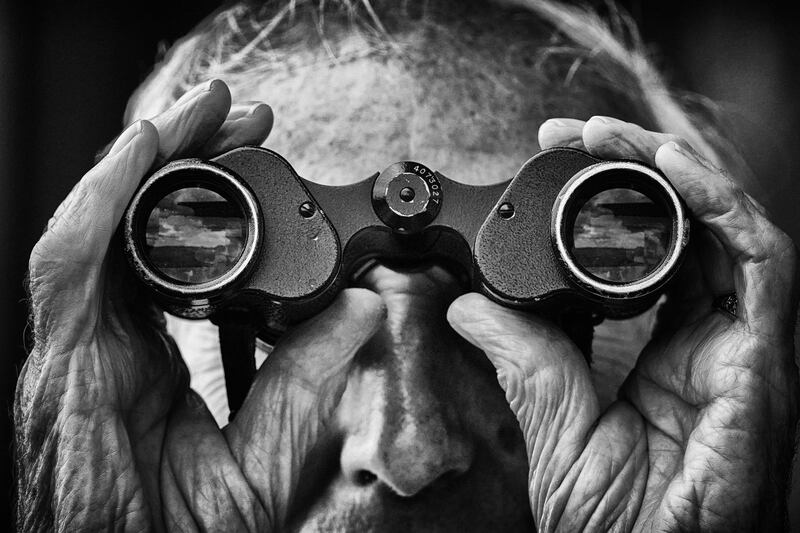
(701, 435)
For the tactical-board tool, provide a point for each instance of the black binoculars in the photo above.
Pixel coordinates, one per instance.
(245, 231)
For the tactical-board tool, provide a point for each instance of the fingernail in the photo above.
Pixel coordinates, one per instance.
(680, 150)
(253, 109)
(211, 85)
(196, 91)
(688, 153)
(603, 120)
(126, 137)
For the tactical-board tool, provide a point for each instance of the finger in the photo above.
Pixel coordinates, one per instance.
(561, 132)
(294, 394)
(764, 255)
(186, 126)
(247, 124)
(202, 486)
(547, 384)
(610, 138)
(248, 109)
(189, 122)
(708, 193)
(69, 256)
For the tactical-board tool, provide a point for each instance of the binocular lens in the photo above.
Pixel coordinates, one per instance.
(621, 235)
(620, 229)
(195, 235)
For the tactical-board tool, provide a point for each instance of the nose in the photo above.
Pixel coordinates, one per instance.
(406, 448)
(406, 439)
(401, 412)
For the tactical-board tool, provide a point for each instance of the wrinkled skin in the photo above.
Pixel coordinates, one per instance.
(423, 438)
(706, 419)
(110, 436)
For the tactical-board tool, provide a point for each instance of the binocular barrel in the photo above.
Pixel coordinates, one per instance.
(567, 230)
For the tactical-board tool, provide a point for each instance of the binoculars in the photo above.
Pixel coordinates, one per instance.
(243, 230)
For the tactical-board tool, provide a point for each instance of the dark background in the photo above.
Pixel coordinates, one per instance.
(66, 70)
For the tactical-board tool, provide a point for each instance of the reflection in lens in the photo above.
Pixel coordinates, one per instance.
(195, 235)
(621, 235)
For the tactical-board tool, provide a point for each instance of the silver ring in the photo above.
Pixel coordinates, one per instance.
(240, 193)
(659, 275)
(727, 303)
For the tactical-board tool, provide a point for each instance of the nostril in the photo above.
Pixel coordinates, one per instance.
(364, 478)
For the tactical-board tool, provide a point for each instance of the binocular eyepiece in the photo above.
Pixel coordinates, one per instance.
(569, 230)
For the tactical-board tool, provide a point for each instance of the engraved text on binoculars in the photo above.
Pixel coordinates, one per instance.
(433, 183)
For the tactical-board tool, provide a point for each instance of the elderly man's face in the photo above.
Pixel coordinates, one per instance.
(424, 437)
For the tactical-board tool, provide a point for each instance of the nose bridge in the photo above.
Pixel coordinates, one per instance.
(413, 436)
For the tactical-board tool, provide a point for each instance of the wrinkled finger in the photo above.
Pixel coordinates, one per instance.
(765, 255)
(547, 384)
(71, 252)
(247, 124)
(294, 394)
(561, 132)
(610, 138)
(189, 122)
(185, 127)
(202, 486)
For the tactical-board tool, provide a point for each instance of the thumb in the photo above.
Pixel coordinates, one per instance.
(294, 394)
(546, 381)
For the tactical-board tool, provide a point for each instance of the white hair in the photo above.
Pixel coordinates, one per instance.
(243, 42)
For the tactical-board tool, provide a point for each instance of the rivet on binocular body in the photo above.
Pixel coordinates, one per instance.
(506, 211)
(307, 210)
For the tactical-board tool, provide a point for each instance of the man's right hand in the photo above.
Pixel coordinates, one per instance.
(108, 433)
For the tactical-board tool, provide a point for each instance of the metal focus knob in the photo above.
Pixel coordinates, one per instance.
(407, 196)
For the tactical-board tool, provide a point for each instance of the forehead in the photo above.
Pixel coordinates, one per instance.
(469, 108)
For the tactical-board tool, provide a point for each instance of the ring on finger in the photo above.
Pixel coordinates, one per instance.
(727, 303)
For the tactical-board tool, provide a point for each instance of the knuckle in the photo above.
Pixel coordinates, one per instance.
(734, 197)
(45, 261)
(58, 262)
(784, 247)
(720, 201)
(773, 242)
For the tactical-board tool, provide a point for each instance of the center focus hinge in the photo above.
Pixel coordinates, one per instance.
(407, 196)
